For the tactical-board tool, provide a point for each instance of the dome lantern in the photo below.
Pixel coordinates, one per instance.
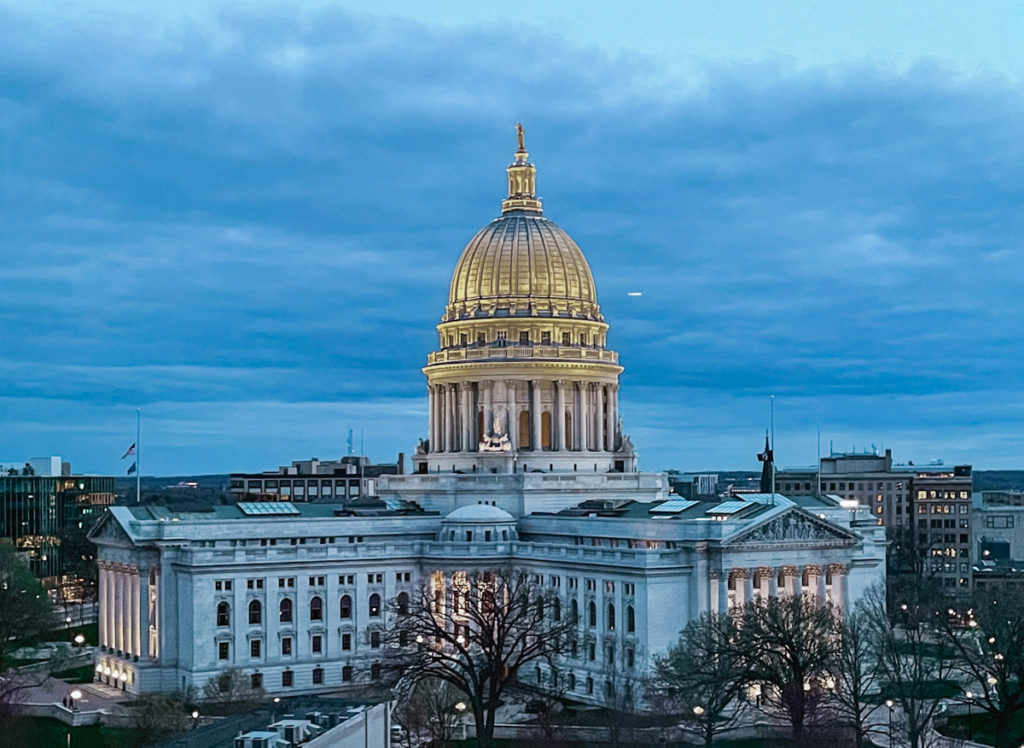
(522, 181)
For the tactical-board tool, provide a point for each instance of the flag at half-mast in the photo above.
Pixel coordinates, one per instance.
(130, 451)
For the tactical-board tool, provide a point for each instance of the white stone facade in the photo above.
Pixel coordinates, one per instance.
(178, 590)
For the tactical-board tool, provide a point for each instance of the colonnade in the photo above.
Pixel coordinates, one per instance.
(581, 415)
(124, 609)
(738, 586)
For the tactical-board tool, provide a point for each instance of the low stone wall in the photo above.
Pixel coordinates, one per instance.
(76, 718)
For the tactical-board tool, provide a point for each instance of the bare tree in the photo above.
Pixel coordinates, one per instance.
(475, 634)
(915, 669)
(788, 643)
(429, 711)
(703, 675)
(988, 641)
(855, 670)
(624, 688)
(231, 691)
(155, 717)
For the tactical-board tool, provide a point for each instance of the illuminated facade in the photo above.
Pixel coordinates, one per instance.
(525, 467)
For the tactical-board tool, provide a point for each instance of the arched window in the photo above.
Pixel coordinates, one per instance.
(374, 605)
(545, 430)
(630, 619)
(568, 432)
(556, 609)
(572, 681)
(346, 606)
(403, 603)
(574, 609)
(540, 608)
(316, 609)
(611, 617)
(255, 612)
(286, 610)
(592, 609)
(487, 602)
(223, 614)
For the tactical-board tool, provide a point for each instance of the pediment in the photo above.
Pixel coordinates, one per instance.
(795, 528)
(109, 530)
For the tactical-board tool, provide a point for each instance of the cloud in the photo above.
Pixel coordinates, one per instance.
(212, 208)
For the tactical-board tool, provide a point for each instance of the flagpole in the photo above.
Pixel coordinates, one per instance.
(138, 456)
(773, 449)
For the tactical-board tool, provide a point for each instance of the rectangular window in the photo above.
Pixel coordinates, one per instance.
(566, 338)
(524, 338)
(286, 679)
(256, 681)
(346, 673)
(346, 642)
(317, 644)
(545, 338)
(318, 676)
(375, 639)
(254, 647)
(286, 645)
(223, 650)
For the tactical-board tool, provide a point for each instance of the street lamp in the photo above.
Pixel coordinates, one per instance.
(195, 718)
(75, 696)
(888, 703)
(460, 708)
(79, 639)
(970, 724)
(698, 710)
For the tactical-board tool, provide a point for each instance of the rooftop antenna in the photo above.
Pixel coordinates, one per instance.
(817, 488)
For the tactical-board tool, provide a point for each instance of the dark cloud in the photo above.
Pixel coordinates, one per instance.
(246, 225)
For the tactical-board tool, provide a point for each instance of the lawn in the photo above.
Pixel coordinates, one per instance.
(36, 731)
(980, 727)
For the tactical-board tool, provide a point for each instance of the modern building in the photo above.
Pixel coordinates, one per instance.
(526, 467)
(998, 543)
(1004, 497)
(41, 501)
(313, 480)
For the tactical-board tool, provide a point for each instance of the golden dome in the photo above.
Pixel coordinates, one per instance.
(522, 264)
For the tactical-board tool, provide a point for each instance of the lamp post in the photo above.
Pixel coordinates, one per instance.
(888, 703)
(970, 724)
(460, 708)
(195, 718)
(75, 696)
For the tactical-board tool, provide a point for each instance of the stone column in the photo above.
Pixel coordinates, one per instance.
(609, 428)
(599, 417)
(449, 419)
(119, 611)
(584, 417)
(488, 407)
(513, 417)
(773, 583)
(748, 585)
(466, 391)
(142, 591)
(136, 614)
(822, 592)
(101, 591)
(798, 581)
(431, 418)
(714, 582)
(558, 421)
(535, 415)
(111, 607)
(723, 592)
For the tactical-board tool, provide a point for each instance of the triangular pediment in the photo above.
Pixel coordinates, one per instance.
(795, 528)
(109, 530)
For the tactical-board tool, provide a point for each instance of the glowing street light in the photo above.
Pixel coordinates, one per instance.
(888, 703)
(698, 710)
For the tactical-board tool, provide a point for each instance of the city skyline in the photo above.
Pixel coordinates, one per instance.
(243, 226)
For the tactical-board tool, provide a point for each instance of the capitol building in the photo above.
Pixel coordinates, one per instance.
(524, 465)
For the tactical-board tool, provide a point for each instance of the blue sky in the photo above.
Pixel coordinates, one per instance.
(242, 218)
